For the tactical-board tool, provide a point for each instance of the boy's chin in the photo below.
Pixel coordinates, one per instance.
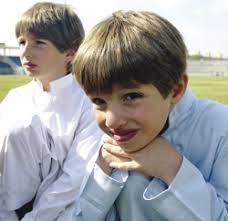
(126, 146)
(130, 148)
(30, 74)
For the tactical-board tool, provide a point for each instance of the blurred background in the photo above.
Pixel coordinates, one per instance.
(203, 25)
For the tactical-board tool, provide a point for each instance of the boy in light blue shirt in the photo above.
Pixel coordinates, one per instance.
(166, 154)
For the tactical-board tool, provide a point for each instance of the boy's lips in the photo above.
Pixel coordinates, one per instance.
(124, 136)
(29, 65)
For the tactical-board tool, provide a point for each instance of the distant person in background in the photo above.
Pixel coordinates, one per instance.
(166, 154)
(47, 128)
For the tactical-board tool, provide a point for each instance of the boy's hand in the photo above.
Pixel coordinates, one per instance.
(103, 163)
(158, 159)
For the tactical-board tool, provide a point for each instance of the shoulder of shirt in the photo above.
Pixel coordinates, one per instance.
(76, 86)
(20, 91)
(214, 114)
(80, 92)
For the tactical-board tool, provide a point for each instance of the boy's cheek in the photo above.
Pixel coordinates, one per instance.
(100, 119)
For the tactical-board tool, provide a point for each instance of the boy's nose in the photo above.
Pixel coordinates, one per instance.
(27, 51)
(115, 119)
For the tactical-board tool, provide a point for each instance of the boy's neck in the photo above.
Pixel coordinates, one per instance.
(45, 83)
(166, 126)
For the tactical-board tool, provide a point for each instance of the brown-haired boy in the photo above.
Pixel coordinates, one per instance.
(47, 127)
(166, 154)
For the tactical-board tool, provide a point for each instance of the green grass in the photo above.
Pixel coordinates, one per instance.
(212, 87)
(11, 81)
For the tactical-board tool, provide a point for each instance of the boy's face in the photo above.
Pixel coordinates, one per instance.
(134, 116)
(41, 59)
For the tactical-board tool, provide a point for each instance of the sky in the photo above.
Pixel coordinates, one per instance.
(203, 23)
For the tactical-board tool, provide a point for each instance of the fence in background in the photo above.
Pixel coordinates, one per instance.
(10, 64)
(216, 67)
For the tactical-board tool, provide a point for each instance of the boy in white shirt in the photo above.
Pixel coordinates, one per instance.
(47, 128)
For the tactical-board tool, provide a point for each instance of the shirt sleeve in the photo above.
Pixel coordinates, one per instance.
(55, 203)
(97, 199)
(189, 196)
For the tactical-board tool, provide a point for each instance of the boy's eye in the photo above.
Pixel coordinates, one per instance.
(98, 101)
(132, 96)
(21, 42)
(40, 42)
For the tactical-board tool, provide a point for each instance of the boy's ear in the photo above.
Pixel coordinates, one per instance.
(70, 54)
(179, 88)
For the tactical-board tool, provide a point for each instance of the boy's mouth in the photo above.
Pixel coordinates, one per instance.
(29, 65)
(124, 136)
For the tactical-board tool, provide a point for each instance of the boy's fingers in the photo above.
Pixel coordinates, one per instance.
(110, 157)
(128, 165)
(116, 150)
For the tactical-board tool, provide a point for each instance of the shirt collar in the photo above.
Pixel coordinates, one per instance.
(182, 106)
(61, 83)
(56, 85)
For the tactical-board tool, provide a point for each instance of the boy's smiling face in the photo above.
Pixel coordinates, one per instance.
(132, 116)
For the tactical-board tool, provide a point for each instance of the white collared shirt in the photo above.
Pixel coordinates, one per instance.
(59, 133)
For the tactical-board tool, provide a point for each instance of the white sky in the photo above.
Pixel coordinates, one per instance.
(203, 23)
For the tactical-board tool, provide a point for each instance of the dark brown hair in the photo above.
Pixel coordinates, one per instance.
(131, 47)
(57, 23)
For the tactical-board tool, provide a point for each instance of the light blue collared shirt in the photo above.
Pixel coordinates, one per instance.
(198, 130)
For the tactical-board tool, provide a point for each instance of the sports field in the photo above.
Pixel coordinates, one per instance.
(10, 81)
(213, 87)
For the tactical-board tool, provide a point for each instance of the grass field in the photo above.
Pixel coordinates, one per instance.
(213, 87)
(10, 81)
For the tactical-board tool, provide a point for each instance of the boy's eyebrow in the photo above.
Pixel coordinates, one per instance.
(24, 35)
(131, 85)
